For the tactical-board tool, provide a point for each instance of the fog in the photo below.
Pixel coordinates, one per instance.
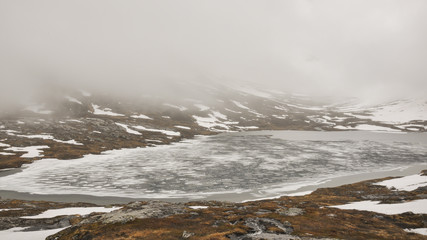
(366, 48)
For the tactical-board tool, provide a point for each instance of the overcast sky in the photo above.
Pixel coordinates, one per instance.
(368, 48)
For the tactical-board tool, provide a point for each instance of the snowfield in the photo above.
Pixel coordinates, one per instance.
(71, 211)
(416, 206)
(408, 183)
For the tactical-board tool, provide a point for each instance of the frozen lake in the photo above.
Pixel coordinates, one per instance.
(260, 164)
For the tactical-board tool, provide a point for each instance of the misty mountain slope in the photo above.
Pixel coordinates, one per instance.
(72, 123)
(407, 114)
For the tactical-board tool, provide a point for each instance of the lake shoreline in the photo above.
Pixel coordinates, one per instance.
(297, 188)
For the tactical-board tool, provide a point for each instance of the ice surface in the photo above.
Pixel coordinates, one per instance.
(415, 206)
(4, 145)
(408, 183)
(70, 211)
(218, 164)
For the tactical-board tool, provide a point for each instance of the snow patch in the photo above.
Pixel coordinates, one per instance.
(71, 99)
(219, 115)
(367, 127)
(238, 104)
(72, 141)
(408, 183)
(106, 111)
(128, 129)
(343, 128)
(416, 206)
(232, 111)
(282, 108)
(422, 231)
(31, 151)
(299, 193)
(247, 127)
(74, 120)
(166, 132)
(201, 107)
(6, 154)
(305, 107)
(198, 207)
(183, 127)
(71, 211)
(49, 137)
(180, 108)
(10, 209)
(141, 116)
(210, 122)
(10, 132)
(4, 145)
(280, 116)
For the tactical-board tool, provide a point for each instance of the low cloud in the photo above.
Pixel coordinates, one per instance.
(370, 49)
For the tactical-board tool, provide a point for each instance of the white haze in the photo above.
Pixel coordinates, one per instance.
(367, 48)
